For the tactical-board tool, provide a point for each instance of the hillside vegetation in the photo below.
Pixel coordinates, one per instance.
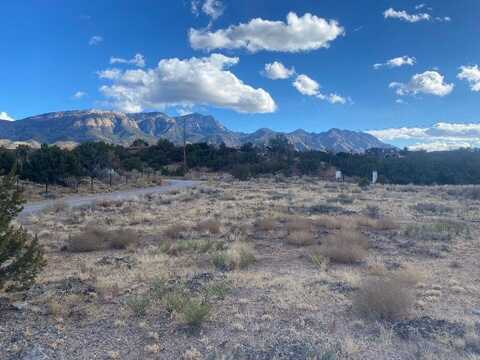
(53, 165)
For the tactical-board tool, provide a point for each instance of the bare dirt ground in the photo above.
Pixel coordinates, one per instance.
(266, 269)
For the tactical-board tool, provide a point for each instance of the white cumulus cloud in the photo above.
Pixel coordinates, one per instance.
(79, 95)
(307, 86)
(429, 82)
(110, 74)
(277, 71)
(403, 15)
(137, 60)
(95, 40)
(213, 8)
(332, 98)
(440, 146)
(413, 18)
(472, 75)
(187, 82)
(397, 62)
(440, 136)
(5, 116)
(305, 33)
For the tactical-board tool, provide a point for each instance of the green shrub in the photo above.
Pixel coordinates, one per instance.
(363, 183)
(21, 257)
(158, 288)
(195, 312)
(138, 304)
(175, 300)
(218, 290)
(239, 256)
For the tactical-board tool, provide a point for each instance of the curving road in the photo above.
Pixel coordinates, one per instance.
(74, 201)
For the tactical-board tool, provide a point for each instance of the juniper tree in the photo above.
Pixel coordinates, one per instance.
(21, 256)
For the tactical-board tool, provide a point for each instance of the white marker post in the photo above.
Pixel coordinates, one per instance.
(374, 177)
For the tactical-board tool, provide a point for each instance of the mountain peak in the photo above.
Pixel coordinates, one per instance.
(123, 128)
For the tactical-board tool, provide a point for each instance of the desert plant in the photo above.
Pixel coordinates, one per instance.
(178, 247)
(175, 231)
(158, 288)
(265, 224)
(210, 225)
(220, 261)
(239, 256)
(439, 231)
(328, 222)
(384, 223)
(297, 223)
(431, 208)
(343, 199)
(194, 312)
(121, 239)
(138, 304)
(175, 300)
(384, 298)
(372, 211)
(21, 257)
(94, 238)
(363, 183)
(301, 238)
(319, 260)
(218, 289)
(325, 209)
(345, 247)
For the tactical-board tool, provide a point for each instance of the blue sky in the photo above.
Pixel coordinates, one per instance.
(424, 90)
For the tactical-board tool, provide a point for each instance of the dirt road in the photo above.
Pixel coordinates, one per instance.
(74, 201)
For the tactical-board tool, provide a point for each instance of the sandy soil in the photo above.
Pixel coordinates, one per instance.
(242, 270)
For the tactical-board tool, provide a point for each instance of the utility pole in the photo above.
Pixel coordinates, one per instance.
(184, 146)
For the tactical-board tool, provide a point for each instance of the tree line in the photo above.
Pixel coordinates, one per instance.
(52, 165)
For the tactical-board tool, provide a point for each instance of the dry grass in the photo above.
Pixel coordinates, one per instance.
(301, 238)
(381, 224)
(297, 223)
(239, 256)
(345, 247)
(265, 224)
(328, 222)
(175, 231)
(384, 298)
(211, 226)
(96, 239)
(286, 285)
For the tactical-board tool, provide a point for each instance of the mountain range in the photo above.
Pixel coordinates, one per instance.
(69, 128)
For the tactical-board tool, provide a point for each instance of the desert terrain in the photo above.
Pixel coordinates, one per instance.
(271, 268)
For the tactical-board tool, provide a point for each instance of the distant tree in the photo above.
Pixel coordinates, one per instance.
(133, 163)
(7, 161)
(22, 153)
(94, 157)
(21, 257)
(139, 143)
(49, 165)
(161, 154)
(279, 146)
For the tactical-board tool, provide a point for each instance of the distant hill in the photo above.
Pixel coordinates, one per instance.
(69, 127)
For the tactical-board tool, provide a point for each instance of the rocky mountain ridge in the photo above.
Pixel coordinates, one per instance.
(72, 127)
